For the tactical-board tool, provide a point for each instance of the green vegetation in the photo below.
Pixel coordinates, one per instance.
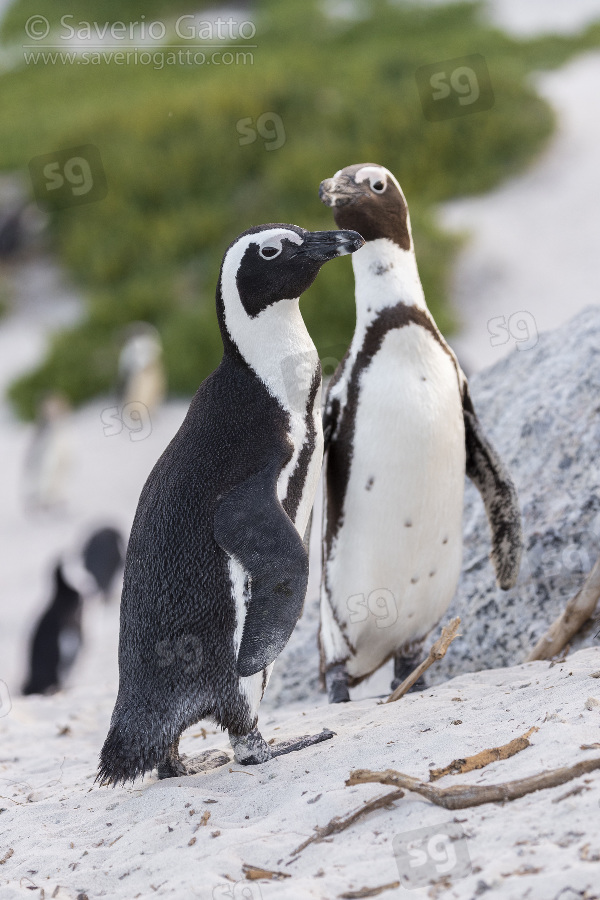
(181, 186)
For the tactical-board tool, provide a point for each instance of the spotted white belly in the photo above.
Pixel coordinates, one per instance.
(396, 559)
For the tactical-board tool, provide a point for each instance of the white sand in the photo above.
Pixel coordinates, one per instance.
(134, 842)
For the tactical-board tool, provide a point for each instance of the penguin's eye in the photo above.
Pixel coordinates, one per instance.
(269, 251)
(378, 187)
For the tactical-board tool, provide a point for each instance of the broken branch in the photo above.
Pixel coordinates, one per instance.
(484, 758)
(578, 610)
(338, 824)
(437, 652)
(256, 873)
(369, 892)
(466, 795)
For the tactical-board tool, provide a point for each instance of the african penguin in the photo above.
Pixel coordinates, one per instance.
(82, 572)
(216, 569)
(400, 431)
(56, 640)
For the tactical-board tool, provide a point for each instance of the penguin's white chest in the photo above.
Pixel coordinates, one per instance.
(396, 559)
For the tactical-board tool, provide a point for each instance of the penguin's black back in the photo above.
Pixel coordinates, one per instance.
(46, 662)
(176, 651)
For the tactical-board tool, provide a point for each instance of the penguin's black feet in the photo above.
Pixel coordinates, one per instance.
(172, 765)
(405, 665)
(250, 749)
(336, 682)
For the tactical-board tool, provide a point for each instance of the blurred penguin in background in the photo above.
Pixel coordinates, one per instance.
(49, 456)
(58, 635)
(103, 557)
(141, 372)
(56, 639)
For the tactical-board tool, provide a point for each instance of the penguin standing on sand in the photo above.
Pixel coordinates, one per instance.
(400, 431)
(57, 638)
(216, 569)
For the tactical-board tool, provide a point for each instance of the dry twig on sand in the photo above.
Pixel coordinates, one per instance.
(369, 892)
(338, 824)
(578, 610)
(255, 873)
(437, 652)
(480, 760)
(465, 795)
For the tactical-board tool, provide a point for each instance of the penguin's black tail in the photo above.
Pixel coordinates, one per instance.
(133, 747)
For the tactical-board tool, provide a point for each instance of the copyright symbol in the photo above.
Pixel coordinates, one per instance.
(37, 27)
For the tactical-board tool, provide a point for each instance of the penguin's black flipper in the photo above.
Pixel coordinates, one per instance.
(251, 526)
(489, 475)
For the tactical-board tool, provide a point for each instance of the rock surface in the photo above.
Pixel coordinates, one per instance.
(541, 409)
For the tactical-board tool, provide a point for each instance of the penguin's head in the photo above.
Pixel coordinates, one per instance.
(271, 263)
(368, 198)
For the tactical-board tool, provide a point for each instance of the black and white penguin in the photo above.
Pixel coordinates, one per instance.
(57, 639)
(400, 432)
(216, 569)
(82, 572)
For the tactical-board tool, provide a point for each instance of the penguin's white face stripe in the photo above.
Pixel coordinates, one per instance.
(275, 344)
(274, 242)
(378, 173)
(277, 333)
(377, 177)
(372, 174)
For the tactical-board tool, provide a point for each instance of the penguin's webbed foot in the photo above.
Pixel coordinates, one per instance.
(252, 749)
(172, 765)
(336, 682)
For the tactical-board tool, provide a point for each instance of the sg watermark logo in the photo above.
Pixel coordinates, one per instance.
(134, 416)
(5, 701)
(268, 126)
(455, 87)
(428, 854)
(380, 603)
(298, 372)
(68, 177)
(519, 327)
(185, 652)
(239, 891)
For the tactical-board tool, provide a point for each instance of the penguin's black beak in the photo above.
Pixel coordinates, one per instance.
(321, 246)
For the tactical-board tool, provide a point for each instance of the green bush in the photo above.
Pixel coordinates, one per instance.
(181, 186)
